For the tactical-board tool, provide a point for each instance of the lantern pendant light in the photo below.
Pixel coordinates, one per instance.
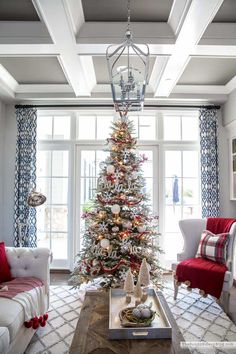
(128, 65)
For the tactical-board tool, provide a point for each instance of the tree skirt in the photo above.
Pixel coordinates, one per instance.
(199, 319)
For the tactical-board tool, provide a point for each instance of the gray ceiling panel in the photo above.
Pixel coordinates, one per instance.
(209, 71)
(227, 12)
(17, 10)
(34, 70)
(116, 10)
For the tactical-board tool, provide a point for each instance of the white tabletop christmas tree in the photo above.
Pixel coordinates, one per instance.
(144, 273)
(129, 282)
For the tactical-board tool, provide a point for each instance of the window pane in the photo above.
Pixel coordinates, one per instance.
(172, 128)
(44, 186)
(59, 245)
(44, 163)
(172, 217)
(43, 239)
(190, 128)
(104, 127)
(190, 191)
(86, 127)
(147, 166)
(173, 244)
(88, 163)
(172, 191)
(88, 188)
(59, 190)
(59, 218)
(147, 127)
(43, 218)
(173, 163)
(44, 128)
(61, 128)
(190, 163)
(60, 163)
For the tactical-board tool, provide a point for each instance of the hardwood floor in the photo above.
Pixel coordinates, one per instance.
(58, 278)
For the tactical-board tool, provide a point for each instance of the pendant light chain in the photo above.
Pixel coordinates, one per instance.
(128, 14)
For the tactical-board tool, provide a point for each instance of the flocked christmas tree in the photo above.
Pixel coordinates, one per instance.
(120, 231)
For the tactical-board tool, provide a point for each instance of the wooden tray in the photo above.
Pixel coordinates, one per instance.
(160, 327)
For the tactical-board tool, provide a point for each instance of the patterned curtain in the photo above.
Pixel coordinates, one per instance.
(209, 163)
(25, 178)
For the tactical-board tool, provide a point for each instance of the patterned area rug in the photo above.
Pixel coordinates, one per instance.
(199, 319)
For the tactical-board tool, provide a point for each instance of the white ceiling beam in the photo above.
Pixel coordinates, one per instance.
(157, 71)
(29, 49)
(8, 84)
(201, 89)
(55, 16)
(198, 17)
(177, 14)
(113, 32)
(75, 13)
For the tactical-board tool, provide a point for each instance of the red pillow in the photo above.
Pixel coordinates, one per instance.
(5, 273)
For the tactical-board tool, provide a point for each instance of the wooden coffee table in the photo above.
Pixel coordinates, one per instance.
(91, 334)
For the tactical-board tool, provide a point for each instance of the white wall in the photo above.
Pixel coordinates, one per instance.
(227, 207)
(229, 109)
(8, 173)
(2, 129)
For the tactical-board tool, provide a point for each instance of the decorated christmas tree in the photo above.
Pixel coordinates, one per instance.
(120, 231)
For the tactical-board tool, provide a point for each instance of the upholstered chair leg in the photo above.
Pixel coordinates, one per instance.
(225, 301)
(176, 288)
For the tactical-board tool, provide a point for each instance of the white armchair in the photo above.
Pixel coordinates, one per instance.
(191, 230)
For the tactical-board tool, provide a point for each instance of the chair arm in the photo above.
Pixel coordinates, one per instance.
(30, 262)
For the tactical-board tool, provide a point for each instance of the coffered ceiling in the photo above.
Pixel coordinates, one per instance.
(55, 49)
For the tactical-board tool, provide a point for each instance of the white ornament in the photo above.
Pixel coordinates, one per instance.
(105, 243)
(115, 209)
(110, 169)
(141, 228)
(146, 313)
(134, 175)
(103, 226)
(127, 224)
(115, 229)
(136, 313)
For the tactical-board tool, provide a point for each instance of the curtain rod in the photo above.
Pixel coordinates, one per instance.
(111, 106)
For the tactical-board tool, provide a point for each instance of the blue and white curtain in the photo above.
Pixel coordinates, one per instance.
(25, 178)
(209, 163)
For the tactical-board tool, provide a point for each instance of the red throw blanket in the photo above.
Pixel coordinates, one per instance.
(19, 290)
(19, 285)
(202, 273)
(219, 225)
